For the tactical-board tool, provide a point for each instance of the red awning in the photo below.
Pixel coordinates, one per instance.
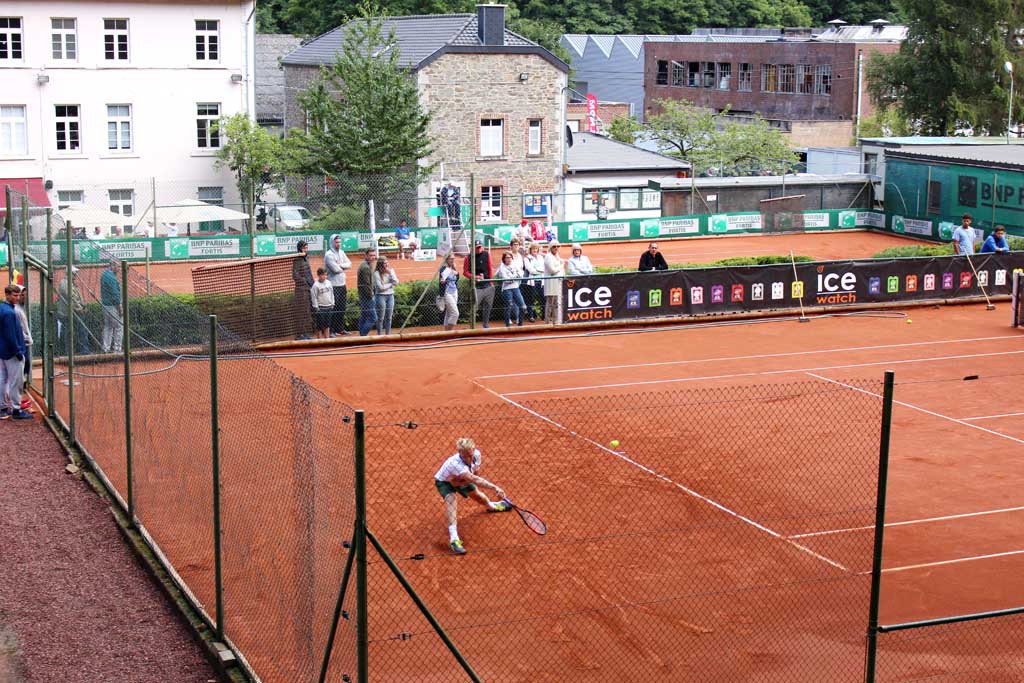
(33, 187)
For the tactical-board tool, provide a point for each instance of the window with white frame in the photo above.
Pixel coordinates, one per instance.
(68, 127)
(64, 38)
(212, 195)
(66, 198)
(594, 197)
(492, 137)
(115, 39)
(207, 40)
(745, 76)
(536, 130)
(629, 198)
(122, 202)
(805, 79)
(10, 38)
(823, 79)
(12, 129)
(119, 127)
(207, 134)
(724, 75)
(490, 203)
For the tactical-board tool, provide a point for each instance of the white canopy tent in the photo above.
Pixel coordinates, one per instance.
(188, 211)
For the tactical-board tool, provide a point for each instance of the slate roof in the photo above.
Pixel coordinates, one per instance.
(592, 152)
(270, 48)
(419, 37)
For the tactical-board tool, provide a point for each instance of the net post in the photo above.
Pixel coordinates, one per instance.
(70, 336)
(346, 575)
(876, 560)
(25, 271)
(126, 341)
(50, 322)
(472, 248)
(215, 462)
(7, 233)
(362, 628)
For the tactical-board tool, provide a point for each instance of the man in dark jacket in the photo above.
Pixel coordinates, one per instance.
(12, 357)
(652, 259)
(364, 286)
(484, 291)
(302, 276)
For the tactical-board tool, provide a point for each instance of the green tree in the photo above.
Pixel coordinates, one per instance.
(948, 72)
(624, 129)
(886, 122)
(366, 124)
(714, 143)
(253, 155)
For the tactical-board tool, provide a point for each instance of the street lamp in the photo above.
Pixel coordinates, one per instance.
(1009, 110)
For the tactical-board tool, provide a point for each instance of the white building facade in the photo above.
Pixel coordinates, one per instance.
(112, 104)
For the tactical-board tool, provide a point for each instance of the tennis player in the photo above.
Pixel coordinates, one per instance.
(458, 475)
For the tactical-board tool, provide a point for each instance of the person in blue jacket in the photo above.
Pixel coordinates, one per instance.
(996, 242)
(12, 357)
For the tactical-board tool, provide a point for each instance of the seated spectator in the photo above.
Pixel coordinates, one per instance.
(406, 241)
(578, 264)
(996, 242)
(652, 259)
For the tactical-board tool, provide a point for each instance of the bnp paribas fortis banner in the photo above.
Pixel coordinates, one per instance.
(698, 291)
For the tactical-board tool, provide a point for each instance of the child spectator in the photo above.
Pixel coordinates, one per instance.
(322, 295)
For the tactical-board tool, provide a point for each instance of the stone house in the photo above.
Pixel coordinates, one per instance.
(496, 102)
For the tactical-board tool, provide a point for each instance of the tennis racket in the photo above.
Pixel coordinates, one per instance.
(532, 521)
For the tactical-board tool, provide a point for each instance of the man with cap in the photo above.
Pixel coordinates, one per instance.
(70, 305)
(578, 264)
(484, 287)
(652, 259)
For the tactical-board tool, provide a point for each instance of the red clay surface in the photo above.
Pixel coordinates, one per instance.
(177, 277)
(728, 537)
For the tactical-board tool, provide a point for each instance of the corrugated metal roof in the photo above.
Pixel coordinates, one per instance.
(604, 43)
(940, 140)
(592, 152)
(577, 42)
(1006, 155)
(418, 36)
(891, 33)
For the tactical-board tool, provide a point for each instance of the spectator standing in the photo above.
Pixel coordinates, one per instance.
(364, 288)
(554, 268)
(12, 357)
(110, 299)
(384, 281)
(578, 264)
(321, 294)
(336, 262)
(511, 277)
(26, 332)
(484, 289)
(70, 307)
(302, 276)
(533, 288)
(652, 259)
(406, 242)
(996, 242)
(448, 285)
(964, 237)
(458, 477)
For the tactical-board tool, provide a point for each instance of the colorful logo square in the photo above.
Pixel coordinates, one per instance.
(675, 296)
(892, 284)
(737, 293)
(717, 294)
(929, 282)
(947, 280)
(633, 298)
(875, 285)
(757, 292)
(965, 280)
(778, 290)
(654, 298)
(697, 295)
(797, 289)
(911, 283)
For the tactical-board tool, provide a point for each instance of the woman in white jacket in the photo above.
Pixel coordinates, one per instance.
(553, 268)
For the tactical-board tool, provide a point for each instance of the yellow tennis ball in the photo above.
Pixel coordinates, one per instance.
(614, 443)
(909, 321)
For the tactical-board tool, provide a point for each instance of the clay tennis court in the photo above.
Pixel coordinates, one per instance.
(728, 537)
(177, 277)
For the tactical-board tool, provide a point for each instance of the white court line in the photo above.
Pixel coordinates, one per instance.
(634, 463)
(908, 522)
(752, 357)
(763, 373)
(923, 410)
(956, 561)
(992, 417)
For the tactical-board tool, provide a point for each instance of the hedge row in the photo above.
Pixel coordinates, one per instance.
(945, 249)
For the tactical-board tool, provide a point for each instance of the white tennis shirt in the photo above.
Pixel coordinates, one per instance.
(455, 467)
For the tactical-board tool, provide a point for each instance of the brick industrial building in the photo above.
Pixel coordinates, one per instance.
(804, 84)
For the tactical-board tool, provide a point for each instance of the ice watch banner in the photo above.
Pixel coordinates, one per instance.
(697, 291)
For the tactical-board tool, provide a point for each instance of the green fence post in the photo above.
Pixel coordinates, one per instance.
(70, 260)
(362, 628)
(215, 444)
(24, 270)
(7, 232)
(50, 322)
(472, 248)
(126, 348)
(876, 561)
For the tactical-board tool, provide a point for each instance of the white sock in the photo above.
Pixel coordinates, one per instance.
(453, 532)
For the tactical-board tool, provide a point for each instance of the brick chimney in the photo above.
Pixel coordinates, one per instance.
(490, 21)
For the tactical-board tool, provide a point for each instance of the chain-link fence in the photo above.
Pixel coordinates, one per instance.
(676, 523)
(252, 524)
